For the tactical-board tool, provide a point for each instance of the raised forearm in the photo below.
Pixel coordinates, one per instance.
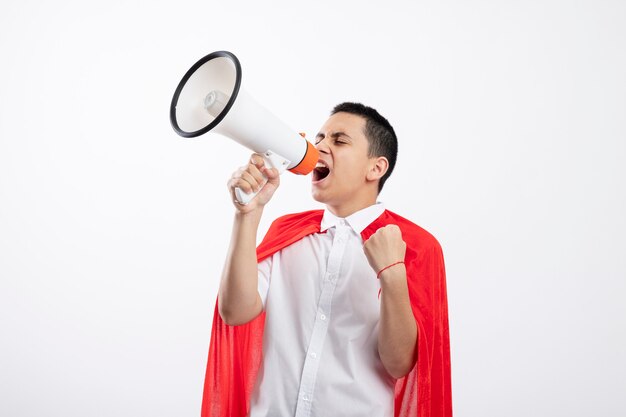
(397, 335)
(239, 301)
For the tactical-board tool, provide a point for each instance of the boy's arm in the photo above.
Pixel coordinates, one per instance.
(397, 334)
(238, 298)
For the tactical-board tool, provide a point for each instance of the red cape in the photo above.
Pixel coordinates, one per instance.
(235, 352)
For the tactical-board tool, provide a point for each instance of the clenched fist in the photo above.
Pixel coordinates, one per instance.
(385, 247)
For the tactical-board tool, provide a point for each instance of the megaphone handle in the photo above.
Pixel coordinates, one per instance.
(271, 160)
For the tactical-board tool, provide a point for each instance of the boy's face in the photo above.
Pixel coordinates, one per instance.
(341, 173)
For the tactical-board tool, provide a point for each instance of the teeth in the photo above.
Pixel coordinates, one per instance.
(321, 164)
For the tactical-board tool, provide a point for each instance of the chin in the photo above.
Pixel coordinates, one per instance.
(320, 196)
(317, 196)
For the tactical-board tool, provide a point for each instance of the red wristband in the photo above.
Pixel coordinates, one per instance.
(388, 266)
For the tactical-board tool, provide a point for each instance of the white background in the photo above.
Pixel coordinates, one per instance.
(511, 117)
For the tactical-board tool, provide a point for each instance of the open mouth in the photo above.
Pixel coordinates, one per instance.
(320, 172)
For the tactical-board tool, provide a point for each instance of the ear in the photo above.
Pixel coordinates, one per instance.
(378, 167)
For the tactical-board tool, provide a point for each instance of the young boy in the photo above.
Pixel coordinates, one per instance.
(338, 312)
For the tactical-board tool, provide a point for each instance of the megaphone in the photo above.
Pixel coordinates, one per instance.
(210, 98)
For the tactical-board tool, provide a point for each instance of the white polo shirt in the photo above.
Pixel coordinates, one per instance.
(320, 345)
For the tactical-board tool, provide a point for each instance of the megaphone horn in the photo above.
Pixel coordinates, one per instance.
(210, 97)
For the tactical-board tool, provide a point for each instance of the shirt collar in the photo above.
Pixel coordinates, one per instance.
(358, 221)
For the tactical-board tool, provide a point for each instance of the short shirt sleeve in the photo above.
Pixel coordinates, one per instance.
(264, 268)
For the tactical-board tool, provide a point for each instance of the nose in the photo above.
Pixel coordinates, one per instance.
(322, 146)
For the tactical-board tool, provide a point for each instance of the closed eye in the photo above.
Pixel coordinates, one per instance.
(321, 136)
(337, 142)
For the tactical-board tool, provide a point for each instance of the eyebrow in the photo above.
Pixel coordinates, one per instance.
(335, 135)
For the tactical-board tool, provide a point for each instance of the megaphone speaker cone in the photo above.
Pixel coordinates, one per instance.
(205, 94)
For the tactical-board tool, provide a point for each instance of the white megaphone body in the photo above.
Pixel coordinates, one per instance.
(210, 97)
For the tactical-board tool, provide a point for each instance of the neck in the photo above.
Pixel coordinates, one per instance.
(344, 209)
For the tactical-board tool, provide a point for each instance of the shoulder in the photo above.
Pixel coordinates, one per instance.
(288, 229)
(423, 250)
(413, 234)
(301, 218)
